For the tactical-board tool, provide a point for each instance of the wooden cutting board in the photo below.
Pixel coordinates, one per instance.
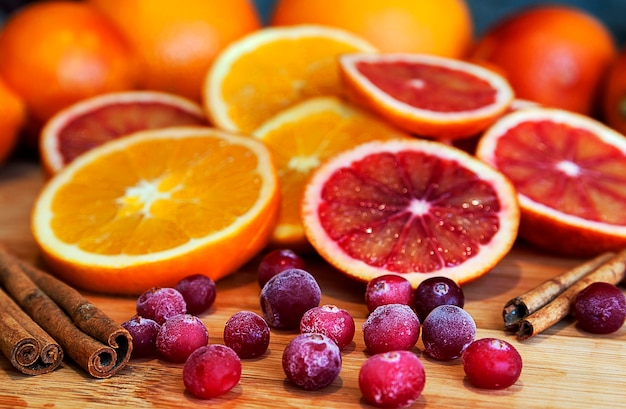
(563, 367)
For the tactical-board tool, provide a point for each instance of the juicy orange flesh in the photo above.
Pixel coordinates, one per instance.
(566, 168)
(130, 202)
(429, 87)
(279, 74)
(112, 121)
(409, 212)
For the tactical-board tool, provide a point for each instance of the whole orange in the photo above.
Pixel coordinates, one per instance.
(614, 94)
(442, 27)
(11, 120)
(55, 53)
(551, 54)
(176, 41)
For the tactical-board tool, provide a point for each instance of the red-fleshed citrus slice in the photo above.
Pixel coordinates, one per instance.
(96, 120)
(412, 207)
(570, 174)
(431, 96)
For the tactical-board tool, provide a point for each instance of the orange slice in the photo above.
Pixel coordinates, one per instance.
(411, 207)
(96, 120)
(148, 209)
(271, 69)
(570, 174)
(431, 96)
(302, 137)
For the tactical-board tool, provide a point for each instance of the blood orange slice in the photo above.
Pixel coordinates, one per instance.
(570, 174)
(96, 120)
(412, 207)
(431, 96)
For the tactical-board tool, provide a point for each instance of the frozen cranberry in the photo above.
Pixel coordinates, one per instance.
(199, 292)
(436, 291)
(600, 308)
(179, 336)
(336, 323)
(159, 304)
(312, 361)
(276, 262)
(447, 331)
(143, 332)
(492, 363)
(247, 334)
(388, 289)
(211, 371)
(391, 327)
(392, 379)
(287, 296)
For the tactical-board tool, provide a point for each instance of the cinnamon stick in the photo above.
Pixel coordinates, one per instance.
(88, 336)
(518, 308)
(29, 348)
(612, 271)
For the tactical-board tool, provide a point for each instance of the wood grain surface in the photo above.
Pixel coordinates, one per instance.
(563, 367)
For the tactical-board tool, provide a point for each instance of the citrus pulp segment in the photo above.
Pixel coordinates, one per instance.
(412, 207)
(96, 120)
(570, 174)
(431, 96)
(156, 206)
(302, 137)
(273, 68)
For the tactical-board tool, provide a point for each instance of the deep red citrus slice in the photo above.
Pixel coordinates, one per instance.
(412, 207)
(570, 174)
(94, 121)
(428, 95)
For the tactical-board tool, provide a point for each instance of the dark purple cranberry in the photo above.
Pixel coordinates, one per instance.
(388, 289)
(312, 361)
(276, 262)
(247, 334)
(144, 332)
(600, 308)
(436, 291)
(199, 292)
(159, 304)
(447, 331)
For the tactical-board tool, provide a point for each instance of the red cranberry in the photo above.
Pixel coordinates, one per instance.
(391, 327)
(336, 323)
(388, 289)
(211, 371)
(276, 262)
(312, 361)
(492, 363)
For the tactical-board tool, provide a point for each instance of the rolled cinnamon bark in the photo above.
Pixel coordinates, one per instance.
(87, 335)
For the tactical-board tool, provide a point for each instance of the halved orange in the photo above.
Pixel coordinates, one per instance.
(428, 95)
(302, 137)
(273, 68)
(411, 207)
(96, 120)
(153, 207)
(570, 174)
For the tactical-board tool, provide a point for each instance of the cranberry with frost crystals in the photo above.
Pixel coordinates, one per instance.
(336, 323)
(159, 304)
(600, 308)
(247, 334)
(312, 361)
(492, 363)
(447, 331)
(143, 332)
(179, 336)
(211, 371)
(198, 291)
(392, 379)
(388, 289)
(276, 262)
(391, 327)
(287, 296)
(436, 291)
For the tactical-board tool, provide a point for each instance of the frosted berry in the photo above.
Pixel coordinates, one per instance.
(159, 304)
(388, 289)
(392, 379)
(436, 291)
(447, 331)
(277, 261)
(600, 308)
(247, 334)
(143, 332)
(287, 296)
(391, 327)
(330, 320)
(179, 336)
(211, 371)
(492, 363)
(311, 361)
(199, 292)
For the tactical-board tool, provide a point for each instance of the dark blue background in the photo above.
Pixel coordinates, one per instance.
(486, 12)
